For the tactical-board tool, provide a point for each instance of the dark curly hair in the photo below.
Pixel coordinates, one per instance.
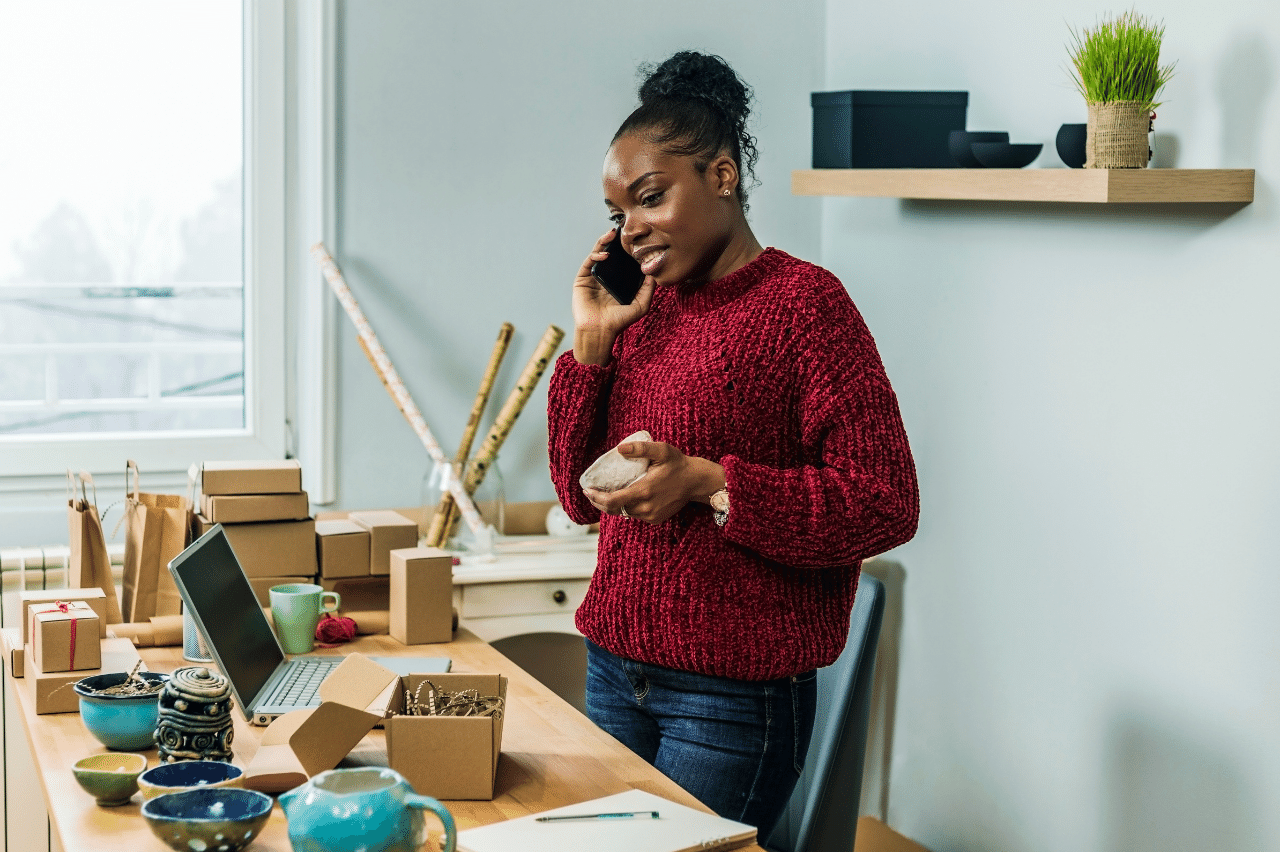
(695, 105)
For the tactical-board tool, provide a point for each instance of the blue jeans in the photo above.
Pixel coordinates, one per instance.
(738, 746)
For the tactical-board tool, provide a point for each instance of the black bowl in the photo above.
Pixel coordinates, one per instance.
(960, 143)
(1002, 155)
(1070, 144)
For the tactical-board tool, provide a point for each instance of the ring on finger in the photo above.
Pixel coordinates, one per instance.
(624, 513)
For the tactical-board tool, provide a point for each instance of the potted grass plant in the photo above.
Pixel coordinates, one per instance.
(1117, 69)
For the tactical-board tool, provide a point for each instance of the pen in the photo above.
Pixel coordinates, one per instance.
(626, 815)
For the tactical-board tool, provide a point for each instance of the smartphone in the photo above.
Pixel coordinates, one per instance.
(619, 273)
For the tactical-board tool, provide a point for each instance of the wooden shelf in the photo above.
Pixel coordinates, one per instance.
(1091, 186)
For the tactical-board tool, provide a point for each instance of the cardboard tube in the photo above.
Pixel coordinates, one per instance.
(391, 380)
(444, 511)
(511, 409)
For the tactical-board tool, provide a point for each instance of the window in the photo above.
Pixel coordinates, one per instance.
(141, 238)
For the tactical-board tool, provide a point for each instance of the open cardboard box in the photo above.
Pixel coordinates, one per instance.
(357, 696)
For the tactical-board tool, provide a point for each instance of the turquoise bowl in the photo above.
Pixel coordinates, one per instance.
(120, 722)
(217, 819)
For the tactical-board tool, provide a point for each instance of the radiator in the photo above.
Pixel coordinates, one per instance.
(42, 567)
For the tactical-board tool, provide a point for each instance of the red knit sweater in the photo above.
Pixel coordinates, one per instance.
(771, 372)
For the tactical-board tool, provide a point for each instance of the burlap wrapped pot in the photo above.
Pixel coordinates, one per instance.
(1117, 136)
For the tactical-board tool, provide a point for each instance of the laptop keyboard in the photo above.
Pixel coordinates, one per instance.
(299, 687)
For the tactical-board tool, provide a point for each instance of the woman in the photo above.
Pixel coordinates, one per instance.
(726, 574)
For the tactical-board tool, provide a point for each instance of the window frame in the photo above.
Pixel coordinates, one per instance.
(31, 460)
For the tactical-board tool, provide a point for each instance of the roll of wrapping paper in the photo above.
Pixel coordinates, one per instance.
(391, 381)
(511, 409)
(444, 511)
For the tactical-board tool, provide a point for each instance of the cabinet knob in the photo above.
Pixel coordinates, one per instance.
(559, 596)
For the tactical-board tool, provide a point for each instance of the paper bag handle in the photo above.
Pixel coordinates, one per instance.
(131, 473)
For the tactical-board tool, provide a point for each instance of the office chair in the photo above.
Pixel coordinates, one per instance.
(823, 811)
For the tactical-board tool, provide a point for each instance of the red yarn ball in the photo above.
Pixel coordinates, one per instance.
(334, 630)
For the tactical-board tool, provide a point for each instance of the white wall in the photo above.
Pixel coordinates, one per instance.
(471, 141)
(1089, 657)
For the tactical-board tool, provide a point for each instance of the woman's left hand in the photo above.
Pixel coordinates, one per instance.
(673, 479)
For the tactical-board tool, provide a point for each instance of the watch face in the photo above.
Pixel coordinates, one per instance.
(720, 501)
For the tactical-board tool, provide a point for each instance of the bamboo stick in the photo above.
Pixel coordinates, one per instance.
(391, 381)
(444, 511)
(488, 452)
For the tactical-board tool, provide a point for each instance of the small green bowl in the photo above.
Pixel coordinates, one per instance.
(112, 779)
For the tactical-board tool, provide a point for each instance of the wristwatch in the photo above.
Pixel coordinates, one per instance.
(720, 506)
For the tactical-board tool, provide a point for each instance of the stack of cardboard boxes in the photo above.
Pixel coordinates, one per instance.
(60, 642)
(267, 518)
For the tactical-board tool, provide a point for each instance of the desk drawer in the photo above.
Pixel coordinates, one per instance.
(486, 600)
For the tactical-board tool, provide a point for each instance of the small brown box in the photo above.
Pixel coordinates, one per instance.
(13, 648)
(252, 508)
(342, 548)
(388, 531)
(95, 598)
(260, 476)
(417, 746)
(64, 637)
(273, 549)
(421, 605)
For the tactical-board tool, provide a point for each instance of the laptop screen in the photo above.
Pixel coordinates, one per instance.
(213, 586)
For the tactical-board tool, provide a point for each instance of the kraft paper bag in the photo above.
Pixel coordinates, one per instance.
(156, 530)
(89, 566)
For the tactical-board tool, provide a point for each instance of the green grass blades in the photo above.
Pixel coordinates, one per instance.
(1119, 60)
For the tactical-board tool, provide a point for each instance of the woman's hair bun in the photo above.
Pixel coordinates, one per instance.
(695, 105)
(689, 75)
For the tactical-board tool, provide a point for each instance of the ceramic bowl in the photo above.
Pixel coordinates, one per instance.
(112, 779)
(120, 722)
(185, 774)
(1002, 155)
(225, 819)
(1070, 143)
(960, 145)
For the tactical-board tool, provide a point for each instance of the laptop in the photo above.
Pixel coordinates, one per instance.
(217, 594)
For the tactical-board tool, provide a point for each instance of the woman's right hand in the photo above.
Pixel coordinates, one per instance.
(598, 318)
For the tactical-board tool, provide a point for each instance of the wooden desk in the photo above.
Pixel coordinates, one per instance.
(551, 756)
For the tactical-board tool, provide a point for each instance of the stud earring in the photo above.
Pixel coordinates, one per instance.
(726, 192)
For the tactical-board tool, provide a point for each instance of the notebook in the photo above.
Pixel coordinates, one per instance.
(676, 829)
(217, 593)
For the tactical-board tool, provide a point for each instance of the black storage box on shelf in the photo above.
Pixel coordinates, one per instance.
(885, 129)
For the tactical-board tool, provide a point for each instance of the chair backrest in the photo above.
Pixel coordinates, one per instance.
(823, 811)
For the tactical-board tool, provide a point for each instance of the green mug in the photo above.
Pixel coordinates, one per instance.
(295, 611)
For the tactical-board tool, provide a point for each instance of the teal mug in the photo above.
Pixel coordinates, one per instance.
(295, 612)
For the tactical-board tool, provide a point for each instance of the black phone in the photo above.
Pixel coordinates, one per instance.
(619, 273)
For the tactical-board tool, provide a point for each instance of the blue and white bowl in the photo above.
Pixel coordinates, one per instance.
(216, 819)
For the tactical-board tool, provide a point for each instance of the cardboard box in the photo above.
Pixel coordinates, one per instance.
(342, 549)
(52, 692)
(95, 598)
(250, 508)
(388, 531)
(272, 549)
(419, 746)
(64, 637)
(262, 476)
(355, 697)
(421, 596)
(13, 643)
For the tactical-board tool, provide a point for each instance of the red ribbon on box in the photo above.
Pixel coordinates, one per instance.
(59, 606)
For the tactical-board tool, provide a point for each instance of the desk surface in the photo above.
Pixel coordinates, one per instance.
(551, 756)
